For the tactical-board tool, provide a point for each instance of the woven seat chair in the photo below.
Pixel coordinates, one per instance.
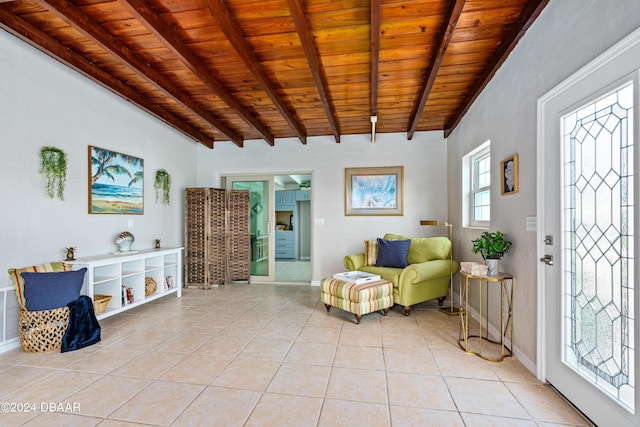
(41, 331)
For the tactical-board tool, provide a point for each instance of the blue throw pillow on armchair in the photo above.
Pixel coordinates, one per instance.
(48, 291)
(392, 253)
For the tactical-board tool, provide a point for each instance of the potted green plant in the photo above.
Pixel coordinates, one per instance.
(163, 182)
(492, 247)
(53, 164)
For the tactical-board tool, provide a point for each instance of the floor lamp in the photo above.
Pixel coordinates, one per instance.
(452, 310)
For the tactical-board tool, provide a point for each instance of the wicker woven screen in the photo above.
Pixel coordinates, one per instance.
(238, 235)
(217, 239)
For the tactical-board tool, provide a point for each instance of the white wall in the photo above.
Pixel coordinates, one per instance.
(425, 183)
(568, 34)
(44, 103)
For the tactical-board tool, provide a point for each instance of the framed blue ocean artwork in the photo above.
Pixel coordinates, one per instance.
(374, 191)
(115, 182)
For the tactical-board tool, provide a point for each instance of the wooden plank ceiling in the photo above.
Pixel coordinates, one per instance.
(233, 70)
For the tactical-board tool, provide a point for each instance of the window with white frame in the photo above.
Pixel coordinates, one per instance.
(477, 182)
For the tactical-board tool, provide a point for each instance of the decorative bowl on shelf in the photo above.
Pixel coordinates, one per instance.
(124, 241)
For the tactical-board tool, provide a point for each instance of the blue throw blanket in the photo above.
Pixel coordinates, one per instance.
(83, 329)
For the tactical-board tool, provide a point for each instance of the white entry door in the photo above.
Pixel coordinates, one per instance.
(588, 223)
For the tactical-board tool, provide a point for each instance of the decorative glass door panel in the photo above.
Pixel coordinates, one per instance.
(598, 243)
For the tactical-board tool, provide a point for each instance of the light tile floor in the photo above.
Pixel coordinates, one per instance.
(297, 271)
(270, 355)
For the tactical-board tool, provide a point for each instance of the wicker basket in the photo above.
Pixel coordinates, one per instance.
(100, 303)
(150, 286)
(41, 331)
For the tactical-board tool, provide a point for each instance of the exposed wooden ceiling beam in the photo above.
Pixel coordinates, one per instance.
(96, 33)
(349, 55)
(167, 36)
(234, 34)
(48, 45)
(315, 64)
(446, 33)
(529, 14)
(375, 54)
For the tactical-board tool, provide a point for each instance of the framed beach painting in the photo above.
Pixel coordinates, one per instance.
(374, 191)
(115, 182)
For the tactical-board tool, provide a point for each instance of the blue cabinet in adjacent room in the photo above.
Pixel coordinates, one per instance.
(285, 245)
(303, 195)
(285, 200)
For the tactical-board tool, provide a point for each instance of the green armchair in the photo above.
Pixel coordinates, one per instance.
(426, 277)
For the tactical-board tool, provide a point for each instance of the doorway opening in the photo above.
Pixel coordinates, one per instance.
(292, 205)
(280, 225)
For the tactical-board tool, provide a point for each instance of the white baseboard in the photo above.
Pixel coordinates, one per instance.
(9, 345)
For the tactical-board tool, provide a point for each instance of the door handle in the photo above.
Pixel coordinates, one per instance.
(547, 259)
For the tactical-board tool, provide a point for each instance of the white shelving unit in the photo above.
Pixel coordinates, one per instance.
(108, 274)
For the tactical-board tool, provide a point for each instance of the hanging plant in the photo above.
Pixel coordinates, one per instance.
(163, 182)
(54, 167)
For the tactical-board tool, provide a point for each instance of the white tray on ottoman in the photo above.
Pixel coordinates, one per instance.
(356, 277)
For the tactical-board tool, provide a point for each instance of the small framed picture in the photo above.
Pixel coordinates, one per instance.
(509, 175)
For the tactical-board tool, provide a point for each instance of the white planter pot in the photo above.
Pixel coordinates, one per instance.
(492, 266)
